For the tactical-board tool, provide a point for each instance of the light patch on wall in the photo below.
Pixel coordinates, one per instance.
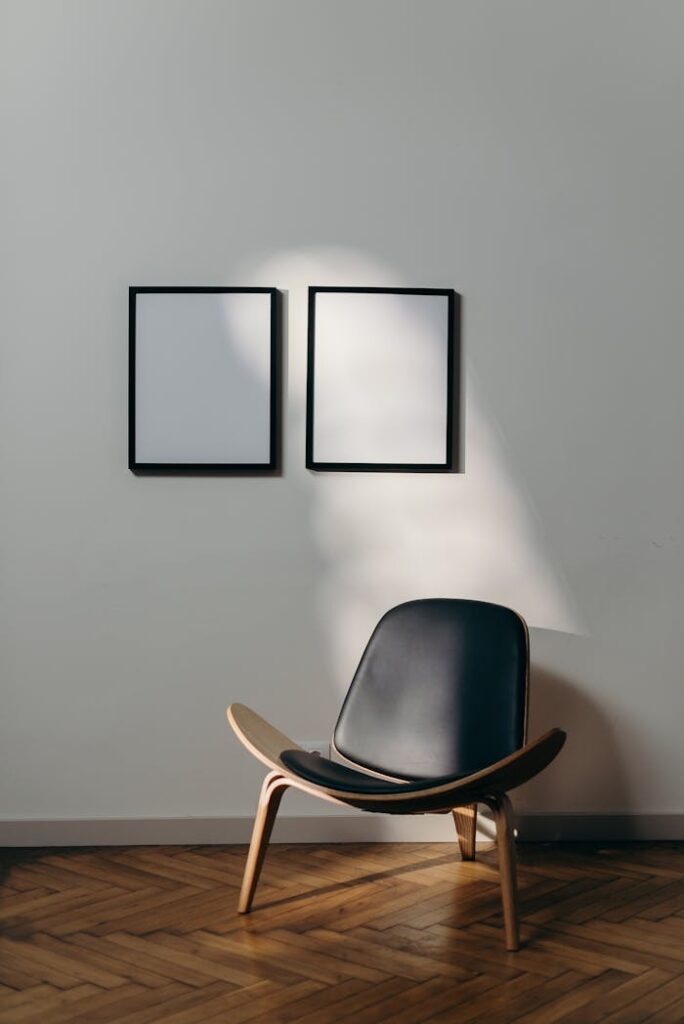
(246, 319)
(387, 538)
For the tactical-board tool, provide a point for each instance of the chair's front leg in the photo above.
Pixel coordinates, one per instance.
(505, 839)
(272, 791)
(465, 819)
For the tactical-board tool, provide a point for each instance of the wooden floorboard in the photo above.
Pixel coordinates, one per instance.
(348, 934)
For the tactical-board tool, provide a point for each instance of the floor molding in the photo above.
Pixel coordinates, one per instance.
(577, 827)
(333, 828)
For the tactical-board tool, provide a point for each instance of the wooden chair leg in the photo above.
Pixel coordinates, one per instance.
(505, 839)
(272, 791)
(465, 819)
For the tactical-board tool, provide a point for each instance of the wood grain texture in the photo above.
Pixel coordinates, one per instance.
(465, 820)
(272, 792)
(400, 933)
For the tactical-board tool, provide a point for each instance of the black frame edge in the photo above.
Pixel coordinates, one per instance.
(453, 391)
(272, 467)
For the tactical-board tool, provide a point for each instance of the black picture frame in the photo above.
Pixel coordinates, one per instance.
(272, 464)
(452, 388)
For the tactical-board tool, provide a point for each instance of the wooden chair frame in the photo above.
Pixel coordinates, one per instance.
(489, 786)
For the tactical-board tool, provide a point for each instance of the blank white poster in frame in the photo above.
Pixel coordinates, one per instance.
(381, 383)
(203, 379)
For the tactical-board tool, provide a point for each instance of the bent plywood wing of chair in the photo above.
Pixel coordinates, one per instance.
(435, 721)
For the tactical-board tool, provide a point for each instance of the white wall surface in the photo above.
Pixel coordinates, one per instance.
(528, 154)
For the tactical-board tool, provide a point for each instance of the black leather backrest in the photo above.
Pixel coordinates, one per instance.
(441, 689)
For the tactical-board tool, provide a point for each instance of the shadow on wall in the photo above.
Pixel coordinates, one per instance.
(381, 539)
(589, 772)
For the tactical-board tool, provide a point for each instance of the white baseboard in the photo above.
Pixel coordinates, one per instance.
(337, 828)
(331, 828)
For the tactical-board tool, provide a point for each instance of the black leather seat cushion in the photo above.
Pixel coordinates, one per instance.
(322, 772)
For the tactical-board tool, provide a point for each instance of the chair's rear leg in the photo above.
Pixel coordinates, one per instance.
(272, 791)
(505, 838)
(465, 819)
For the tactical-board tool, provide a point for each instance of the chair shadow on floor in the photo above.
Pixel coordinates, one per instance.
(351, 883)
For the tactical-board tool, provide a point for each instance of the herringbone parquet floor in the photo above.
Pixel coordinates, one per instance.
(401, 933)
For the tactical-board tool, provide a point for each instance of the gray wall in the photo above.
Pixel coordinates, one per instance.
(528, 154)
